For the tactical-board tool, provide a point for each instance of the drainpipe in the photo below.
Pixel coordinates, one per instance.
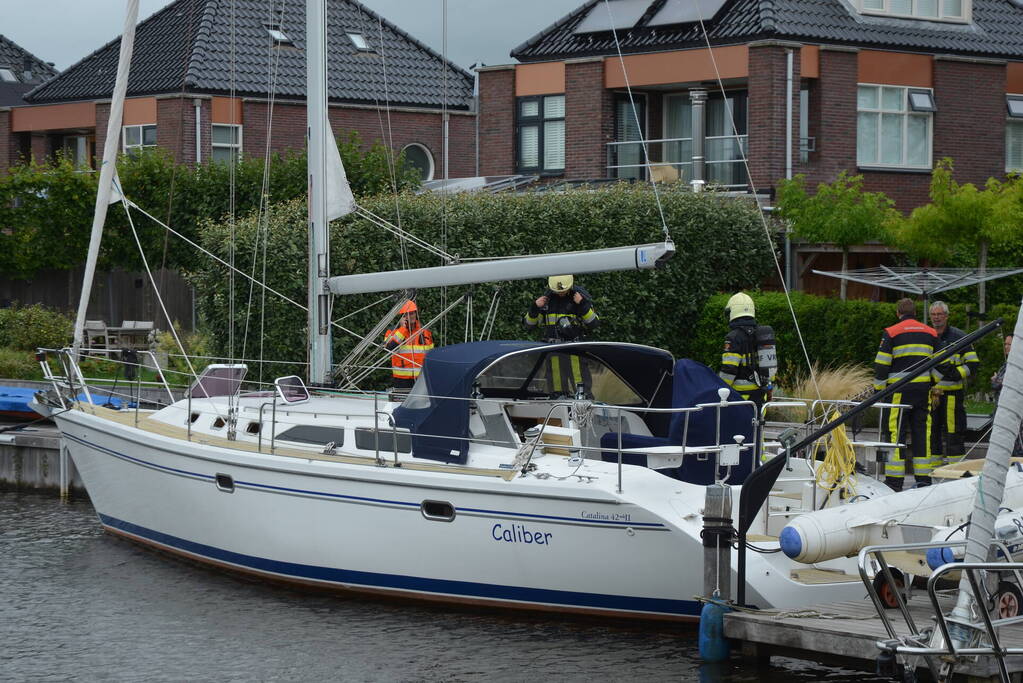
(476, 108)
(698, 98)
(789, 56)
(198, 130)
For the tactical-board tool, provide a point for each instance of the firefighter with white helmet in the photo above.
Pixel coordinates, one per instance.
(749, 360)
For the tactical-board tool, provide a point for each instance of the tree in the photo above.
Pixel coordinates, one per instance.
(964, 216)
(840, 213)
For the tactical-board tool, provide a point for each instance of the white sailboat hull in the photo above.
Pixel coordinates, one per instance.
(568, 546)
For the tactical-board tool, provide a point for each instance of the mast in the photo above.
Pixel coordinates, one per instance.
(107, 167)
(316, 144)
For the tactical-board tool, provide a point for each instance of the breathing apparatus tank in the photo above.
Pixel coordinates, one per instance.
(767, 354)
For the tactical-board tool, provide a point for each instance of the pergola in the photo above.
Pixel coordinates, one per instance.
(924, 282)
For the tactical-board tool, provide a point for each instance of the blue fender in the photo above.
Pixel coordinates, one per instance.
(714, 646)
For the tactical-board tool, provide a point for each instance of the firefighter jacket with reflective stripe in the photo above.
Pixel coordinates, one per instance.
(410, 347)
(562, 306)
(952, 374)
(903, 345)
(739, 359)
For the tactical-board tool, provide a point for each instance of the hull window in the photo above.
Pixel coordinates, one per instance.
(438, 510)
(225, 483)
(384, 440)
(313, 434)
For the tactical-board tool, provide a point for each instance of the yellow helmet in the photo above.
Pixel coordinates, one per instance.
(560, 283)
(738, 306)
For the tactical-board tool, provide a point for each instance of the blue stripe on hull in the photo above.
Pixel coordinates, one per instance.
(456, 589)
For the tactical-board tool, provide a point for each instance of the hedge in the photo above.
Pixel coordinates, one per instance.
(30, 327)
(46, 210)
(835, 332)
(720, 244)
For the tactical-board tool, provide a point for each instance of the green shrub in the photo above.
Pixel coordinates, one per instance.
(720, 244)
(18, 365)
(30, 327)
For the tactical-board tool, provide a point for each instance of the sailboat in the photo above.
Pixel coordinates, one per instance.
(491, 483)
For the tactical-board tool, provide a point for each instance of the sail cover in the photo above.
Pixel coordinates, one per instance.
(440, 428)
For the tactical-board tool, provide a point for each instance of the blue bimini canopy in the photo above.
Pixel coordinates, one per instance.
(437, 409)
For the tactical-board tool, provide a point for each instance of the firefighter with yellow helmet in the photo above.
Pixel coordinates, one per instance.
(564, 311)
(409, 344)
(749, 360)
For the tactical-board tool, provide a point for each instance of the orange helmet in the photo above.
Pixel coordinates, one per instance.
(409, 307)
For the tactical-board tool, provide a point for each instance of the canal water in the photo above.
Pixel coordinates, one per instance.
(76, 603)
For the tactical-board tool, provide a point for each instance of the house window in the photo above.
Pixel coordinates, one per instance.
(226, 143)
(360, 42)
(726, 135)
(7, 76)
(79, 150)
(893, 129)
(137, 138)
(278, 36)
(630, 126)
(418, 157)
(934, 10)
(541, 134)
(1014, 134)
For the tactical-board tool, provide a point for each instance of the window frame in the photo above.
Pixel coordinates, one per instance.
(141, 127)
(1013, 122)
(539, 121)
(4, 71)
(220, 145)
(885, 11)
(906, 113)
(429, 156)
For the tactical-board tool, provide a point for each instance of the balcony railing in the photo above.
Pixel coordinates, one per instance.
(724, 163)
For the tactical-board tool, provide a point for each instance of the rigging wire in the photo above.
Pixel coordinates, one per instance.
(444, 144)
(744, 157)
(639, 127)
(391, 160)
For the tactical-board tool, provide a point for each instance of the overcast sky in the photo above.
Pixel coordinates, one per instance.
(65, 31)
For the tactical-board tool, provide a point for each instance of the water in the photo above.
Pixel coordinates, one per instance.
(78, 603)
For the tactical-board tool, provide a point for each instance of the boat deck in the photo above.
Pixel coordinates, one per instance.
(849, 632)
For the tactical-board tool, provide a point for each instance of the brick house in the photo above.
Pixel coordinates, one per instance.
(878, 87)
(20, 72)
(215, 78)
(882, 88)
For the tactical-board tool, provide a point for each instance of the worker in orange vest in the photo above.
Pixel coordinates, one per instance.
(409, 344)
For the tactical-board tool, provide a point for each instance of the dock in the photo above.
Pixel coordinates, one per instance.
(847, 632)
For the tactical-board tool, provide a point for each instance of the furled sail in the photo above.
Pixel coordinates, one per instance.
(340, 200)
(108, 172)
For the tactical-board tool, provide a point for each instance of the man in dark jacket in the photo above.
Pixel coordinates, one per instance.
(564, 311)
(904, 345)
(742, 367)
(948, 397)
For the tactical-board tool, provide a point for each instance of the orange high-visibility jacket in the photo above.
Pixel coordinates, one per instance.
(412, 345)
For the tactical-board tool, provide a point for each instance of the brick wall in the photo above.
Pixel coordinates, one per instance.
(8, 142)
(589, 119)
(766, 120)
(832, 118)
(40, 148)
(175, 128)
(497, 122)
(102, 117)
(395, 128)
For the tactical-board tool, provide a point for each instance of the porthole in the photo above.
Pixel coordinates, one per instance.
(438, 510)
(193, 417)
(252, 428)
(225, 483)
(218, 423)
(417, 156)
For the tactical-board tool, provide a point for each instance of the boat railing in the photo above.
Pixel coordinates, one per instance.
(72, 369)
(921, 642)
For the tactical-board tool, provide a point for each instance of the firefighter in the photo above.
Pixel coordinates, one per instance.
(948, 409)
(749, 360)
(564, 310)
(903, 345)
(409, 343)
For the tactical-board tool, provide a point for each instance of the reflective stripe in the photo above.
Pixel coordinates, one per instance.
(589, 316)
(896, 376)
(532, 319)
(731, 359)
(883, 358)
(912, 350)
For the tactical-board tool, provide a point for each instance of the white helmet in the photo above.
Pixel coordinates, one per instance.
(738, 306)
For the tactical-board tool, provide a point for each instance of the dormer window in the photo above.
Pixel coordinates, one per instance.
(7, 76)
(360, 42)
(934, 10)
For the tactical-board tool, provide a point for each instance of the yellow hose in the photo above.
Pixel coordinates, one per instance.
(839, 467)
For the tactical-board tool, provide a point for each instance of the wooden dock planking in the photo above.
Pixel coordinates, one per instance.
(849, 630)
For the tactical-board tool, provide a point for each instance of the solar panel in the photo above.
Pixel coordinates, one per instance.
(625, 13)
(686, 12)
